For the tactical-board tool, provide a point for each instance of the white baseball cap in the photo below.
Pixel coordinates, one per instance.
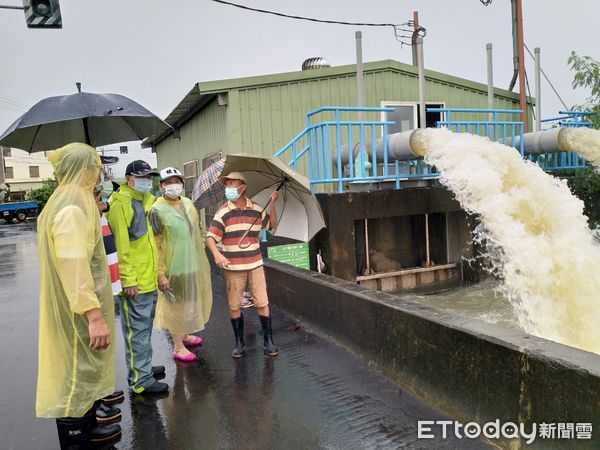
(170, 172)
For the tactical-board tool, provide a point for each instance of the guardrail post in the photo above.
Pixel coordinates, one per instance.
(338, 150)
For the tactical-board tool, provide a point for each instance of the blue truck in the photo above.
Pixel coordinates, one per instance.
(18, 210)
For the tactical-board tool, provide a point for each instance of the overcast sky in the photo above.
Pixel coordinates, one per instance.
(154, 51)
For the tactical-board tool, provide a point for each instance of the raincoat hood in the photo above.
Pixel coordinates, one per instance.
(76, 163)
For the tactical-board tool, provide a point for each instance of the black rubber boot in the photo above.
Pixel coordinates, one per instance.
(238, 331)
(105, 435)
(269, 345)
(107, 413)
(75, 433)
(158, 372)
(114, 398)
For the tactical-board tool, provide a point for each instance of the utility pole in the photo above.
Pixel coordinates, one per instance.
(421, 67)
(2, 176)
(538, 91)
(521, 51)
(415, 35)
(360, 90)
(490, 83)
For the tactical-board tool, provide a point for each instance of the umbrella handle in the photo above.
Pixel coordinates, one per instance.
(285, 180)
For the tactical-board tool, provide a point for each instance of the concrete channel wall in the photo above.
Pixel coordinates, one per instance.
(472, 370)
(396, 230)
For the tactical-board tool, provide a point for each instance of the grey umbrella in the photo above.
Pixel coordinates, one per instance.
(96, 119)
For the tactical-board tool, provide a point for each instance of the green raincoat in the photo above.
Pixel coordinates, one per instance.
(186, 307)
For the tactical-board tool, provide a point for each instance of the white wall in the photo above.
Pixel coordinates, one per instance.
(134, 152)
(20, 162)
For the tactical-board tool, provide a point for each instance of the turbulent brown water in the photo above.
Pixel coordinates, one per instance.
(535, 233)
(585, 141)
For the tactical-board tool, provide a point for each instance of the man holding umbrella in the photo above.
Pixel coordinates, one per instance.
(237, 225)
(138, 269)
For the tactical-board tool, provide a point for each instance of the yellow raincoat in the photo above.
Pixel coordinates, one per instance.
(74, 278)
(181, 257)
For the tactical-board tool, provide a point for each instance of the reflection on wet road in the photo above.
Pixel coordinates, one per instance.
(313, 395)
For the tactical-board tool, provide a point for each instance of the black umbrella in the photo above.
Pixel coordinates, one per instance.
(96, 119)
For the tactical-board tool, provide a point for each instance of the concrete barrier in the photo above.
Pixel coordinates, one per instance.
(472, 370)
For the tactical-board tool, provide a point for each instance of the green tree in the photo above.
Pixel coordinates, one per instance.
(41, 195)
(585, 184)
(587, 75)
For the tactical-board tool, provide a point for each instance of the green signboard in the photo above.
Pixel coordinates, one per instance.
(293, 254)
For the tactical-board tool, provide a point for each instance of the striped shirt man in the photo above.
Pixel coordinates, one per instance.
(228, 227)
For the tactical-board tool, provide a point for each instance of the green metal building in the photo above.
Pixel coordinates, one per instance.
(259, 115)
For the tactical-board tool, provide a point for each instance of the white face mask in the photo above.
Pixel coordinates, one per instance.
(173, 190)
(142, 185)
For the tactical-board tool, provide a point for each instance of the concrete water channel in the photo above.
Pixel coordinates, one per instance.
(315, 394)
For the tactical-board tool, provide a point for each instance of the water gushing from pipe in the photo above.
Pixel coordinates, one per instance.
(584, 141)
(536, 235)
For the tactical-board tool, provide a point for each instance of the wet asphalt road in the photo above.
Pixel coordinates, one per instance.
(313, 395)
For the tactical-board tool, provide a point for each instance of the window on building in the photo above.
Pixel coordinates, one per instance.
(6, 151)
(34, 171)
(8, 172)
(190, 173)
(18, 196)
(406, 115)
(208, 160)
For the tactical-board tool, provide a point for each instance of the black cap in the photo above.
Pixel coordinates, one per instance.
(140, 168)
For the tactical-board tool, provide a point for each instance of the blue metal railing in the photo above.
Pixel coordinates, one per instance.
(327, 150)
(326, 144)
(497, 127)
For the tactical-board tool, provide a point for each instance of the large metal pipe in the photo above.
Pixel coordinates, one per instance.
(413, 144)
(549, 141)
(401, 146)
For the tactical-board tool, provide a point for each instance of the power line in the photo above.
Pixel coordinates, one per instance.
(20, 91)
(398, 28)
(12, 102)
(337, 22)
(10, 107)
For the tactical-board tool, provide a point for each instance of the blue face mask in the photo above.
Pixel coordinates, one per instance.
(107, 189)
(232, 194)
(142, 185)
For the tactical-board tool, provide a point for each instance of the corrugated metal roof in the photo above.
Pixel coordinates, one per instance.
(203, 92)
(329, 72)
(193, 102)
